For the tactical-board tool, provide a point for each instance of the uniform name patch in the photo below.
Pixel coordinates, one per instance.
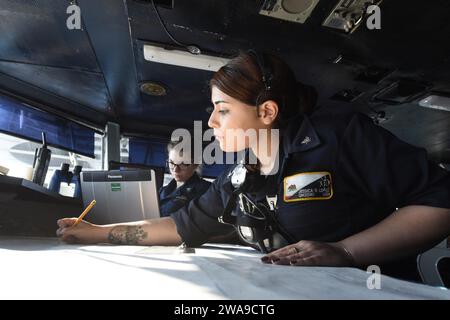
(308, 186)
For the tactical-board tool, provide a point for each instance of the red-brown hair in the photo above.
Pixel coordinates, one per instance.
(242, 79)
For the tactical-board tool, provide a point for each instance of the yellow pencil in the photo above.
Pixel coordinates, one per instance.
(85, 212)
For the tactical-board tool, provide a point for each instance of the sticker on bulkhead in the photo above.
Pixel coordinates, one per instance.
(308, 186)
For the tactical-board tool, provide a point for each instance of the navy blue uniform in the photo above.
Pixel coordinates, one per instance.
(339, 174)
(171, 199)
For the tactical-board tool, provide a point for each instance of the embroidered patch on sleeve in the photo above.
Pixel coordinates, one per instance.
(308, 186)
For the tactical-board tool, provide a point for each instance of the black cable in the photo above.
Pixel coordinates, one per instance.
(191, 48)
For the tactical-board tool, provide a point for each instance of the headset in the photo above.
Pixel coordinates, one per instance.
(266, 72)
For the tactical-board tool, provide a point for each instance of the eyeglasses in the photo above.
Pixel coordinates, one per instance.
(173, 165)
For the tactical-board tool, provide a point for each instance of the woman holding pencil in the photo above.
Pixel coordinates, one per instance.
(329, 188)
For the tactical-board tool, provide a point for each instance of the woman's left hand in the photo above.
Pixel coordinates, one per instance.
(311, 253)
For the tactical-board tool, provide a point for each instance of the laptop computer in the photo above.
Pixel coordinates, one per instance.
(121, 196)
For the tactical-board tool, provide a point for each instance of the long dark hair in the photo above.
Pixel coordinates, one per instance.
(242, 79)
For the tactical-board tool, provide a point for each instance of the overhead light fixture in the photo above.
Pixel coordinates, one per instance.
(435, 101)
(289, 10)
(152, 88)
(183, 58)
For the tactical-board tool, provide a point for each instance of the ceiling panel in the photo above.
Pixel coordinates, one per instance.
(35, 32)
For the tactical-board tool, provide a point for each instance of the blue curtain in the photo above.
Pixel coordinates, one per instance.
(149, 152)
(153, 152)
(28, 123)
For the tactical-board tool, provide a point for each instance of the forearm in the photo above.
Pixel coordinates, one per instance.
(147, 232)
(408, 231)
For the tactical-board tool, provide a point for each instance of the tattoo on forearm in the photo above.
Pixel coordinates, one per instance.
(127, 235)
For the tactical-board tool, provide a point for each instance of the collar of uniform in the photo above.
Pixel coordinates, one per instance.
(192, 180)
(189, 186)
(294, 139)
(300, 139)
(168, 189)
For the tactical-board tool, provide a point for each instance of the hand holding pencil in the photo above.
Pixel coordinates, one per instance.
(85, 212)
(84, 232)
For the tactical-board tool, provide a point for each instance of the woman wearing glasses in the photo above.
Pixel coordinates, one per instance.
(185, 185)
(330, 189)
